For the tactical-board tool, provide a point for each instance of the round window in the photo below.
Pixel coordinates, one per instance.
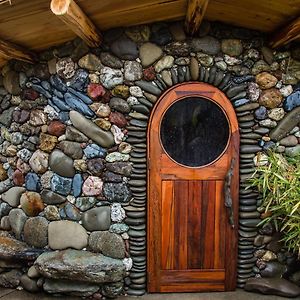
(194, 131)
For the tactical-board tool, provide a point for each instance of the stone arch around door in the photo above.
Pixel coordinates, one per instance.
(235, 90)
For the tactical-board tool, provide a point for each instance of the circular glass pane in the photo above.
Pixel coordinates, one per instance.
(194, 131)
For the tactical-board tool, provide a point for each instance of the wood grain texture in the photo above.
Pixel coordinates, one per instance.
(76, 20)
(286, 35)
(11, 51)
(195, 13)
(33, 25)
(187, 205)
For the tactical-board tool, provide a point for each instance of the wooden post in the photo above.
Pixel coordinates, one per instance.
(11, 51)
(289, 33)
(195, 13)
(72, 15)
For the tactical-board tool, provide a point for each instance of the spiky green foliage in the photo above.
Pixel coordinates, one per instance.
(279, 184)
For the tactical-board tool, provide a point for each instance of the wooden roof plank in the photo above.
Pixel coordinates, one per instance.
(11, 51)
(195, 12)
(72, 15)
(286, 35)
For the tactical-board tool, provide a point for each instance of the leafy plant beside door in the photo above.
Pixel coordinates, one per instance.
(279, 183)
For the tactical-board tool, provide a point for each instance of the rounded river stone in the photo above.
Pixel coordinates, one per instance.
(97, 219)
(61, 164)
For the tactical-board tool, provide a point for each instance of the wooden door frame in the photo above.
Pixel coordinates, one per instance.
(198, 89)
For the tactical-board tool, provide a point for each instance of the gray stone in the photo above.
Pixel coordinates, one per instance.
(13, 195)
(292, 151)
(273, 269)
(61, 164)
(116, 192)
(90, 129)
(80, 265)
(97, 218)
(110, 244)
(132, 71)
(10, 279)
(149, 54)
(286, 125)
(111, 77)
(50, 197)
(110, 60)
(207, 44)
(17, 219)
(148, 87)
(123, 168)
(85, 203)
(33, 272)
(6, 116)
(125, 48)
(29, 284)
(74, 288)
(71, 149)
(272, 286)
(36, 232)
(11, 82)
(72, 134)
(119, 104)
(66, 234)
(289, 141)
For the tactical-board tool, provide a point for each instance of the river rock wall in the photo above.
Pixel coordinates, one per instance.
(73, 150)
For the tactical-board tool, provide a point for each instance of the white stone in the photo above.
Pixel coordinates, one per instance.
(268, 123)
(136, 91)
(116, 156)
(286, 90)
(132, 101)
(128, 263)
(46, 179)
(132, 70)
(117, 213)
(231, 61)
(111, 77)
(117, 133)
(51, 112)
(260, 159)
(276, 114)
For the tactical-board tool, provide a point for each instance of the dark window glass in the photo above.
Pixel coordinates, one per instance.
(194, 131)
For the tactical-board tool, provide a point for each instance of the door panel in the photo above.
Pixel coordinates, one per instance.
(191, 245)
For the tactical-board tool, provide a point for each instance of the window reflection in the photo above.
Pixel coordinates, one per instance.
(194, 131)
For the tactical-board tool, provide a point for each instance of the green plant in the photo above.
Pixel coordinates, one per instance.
(279, 183)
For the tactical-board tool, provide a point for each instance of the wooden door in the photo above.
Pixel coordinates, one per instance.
(192, 235)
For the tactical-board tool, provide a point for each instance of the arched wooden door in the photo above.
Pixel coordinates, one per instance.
(193, 167)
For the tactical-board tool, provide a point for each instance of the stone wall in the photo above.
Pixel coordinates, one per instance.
(73, 150)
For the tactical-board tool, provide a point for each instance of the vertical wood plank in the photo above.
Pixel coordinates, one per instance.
(208, 220)
(181, 196)
(194, 225)
(168, 234)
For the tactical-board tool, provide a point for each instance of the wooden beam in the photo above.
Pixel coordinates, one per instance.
(286, 35)
(195, 12)
(72, 15)
(12, 51)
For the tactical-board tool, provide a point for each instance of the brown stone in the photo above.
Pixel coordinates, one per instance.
(18, 178)
(31, 203)
(265, 80)
(21, 116)
(270, 98)
(30, 94)
(56, 128)
(103, 124)
(118, 119)
(3, 174)
(121, 91)
(47, 142)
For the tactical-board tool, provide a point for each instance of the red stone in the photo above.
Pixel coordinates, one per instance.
(95, 91)
(18, 178)
(56, 128)
(117, 119)
(106, 97)
(30, 94)
(149, 74)
(21, 116)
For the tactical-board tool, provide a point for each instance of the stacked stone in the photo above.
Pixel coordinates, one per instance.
(73, 141)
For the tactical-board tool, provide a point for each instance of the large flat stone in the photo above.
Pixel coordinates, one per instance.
(91, 130)
(286, 125)
(80, 265)
(272, 286)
